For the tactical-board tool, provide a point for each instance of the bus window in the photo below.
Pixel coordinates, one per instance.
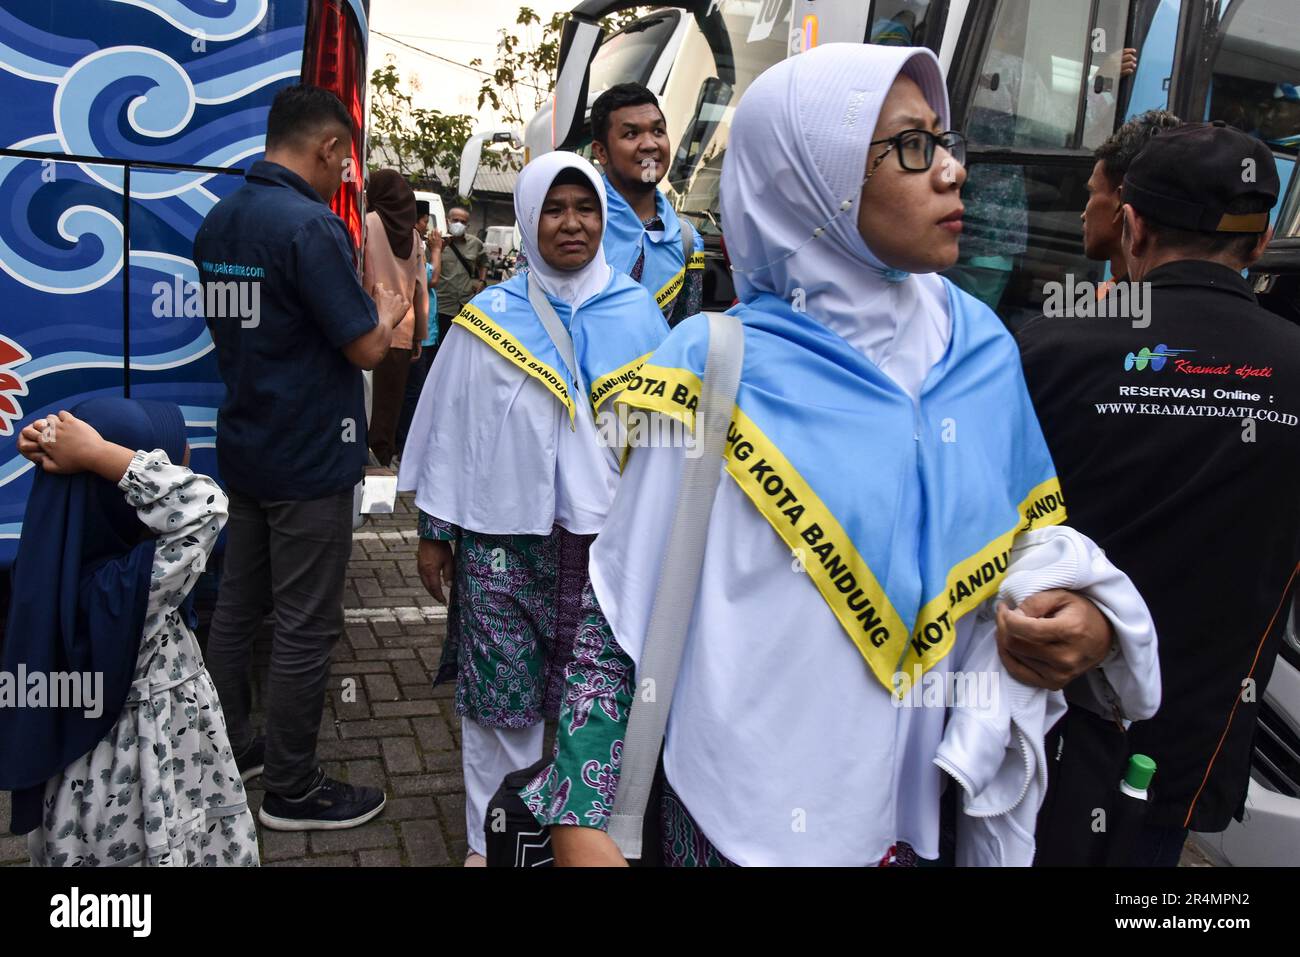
(630, 54)
(1050, 76)
(1255, 85)
(902, 23)
(714, 66)
(1049, 79)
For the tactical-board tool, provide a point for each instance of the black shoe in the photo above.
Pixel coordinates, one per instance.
(327, 805)
(252, 761)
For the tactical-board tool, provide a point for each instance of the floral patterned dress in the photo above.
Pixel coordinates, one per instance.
(515, 605)
(581, 783)
(161, 789)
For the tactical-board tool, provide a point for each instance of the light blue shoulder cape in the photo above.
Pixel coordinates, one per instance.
(664, 272)
(901, 512)
(613, 333)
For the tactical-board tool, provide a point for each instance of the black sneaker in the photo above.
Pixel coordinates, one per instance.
(253, 760)
(327, 805)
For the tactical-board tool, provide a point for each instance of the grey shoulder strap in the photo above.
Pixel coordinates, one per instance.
(554, 328)
(688, 243)
(679, 582)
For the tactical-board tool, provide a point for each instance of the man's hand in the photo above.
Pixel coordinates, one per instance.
(1128, 62)
(415, 351)
(435, 240)
(436, 564)
(584, 847)
(1052, 638)
(391, 306)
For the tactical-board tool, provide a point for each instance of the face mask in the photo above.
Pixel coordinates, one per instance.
(456, 229)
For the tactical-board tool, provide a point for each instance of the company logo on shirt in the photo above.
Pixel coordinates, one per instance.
(11, 384)
(1155, 358)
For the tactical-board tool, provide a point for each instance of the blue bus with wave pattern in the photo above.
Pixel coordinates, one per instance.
(123, 123)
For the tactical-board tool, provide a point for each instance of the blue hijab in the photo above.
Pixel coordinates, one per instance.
(80, 591)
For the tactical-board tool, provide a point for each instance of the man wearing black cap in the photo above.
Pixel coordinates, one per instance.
(1177, 445)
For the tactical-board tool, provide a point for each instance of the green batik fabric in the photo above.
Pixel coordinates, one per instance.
(579, 786)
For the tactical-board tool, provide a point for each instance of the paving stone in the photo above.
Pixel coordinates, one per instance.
(376, 728)
(411, 785)
(360, 636)
(447, 782)
(411, 671)
(405, 709)
(383, 857)
(376, 833)
(433, 733)
(281, 845)
(333, 860)
(381, 687)
(424, 844)
(416, 807)
(360, 667)
(349, 687)
(384, 654)
(368, 774)
(13, 848)
(443, 760)
(400, 756)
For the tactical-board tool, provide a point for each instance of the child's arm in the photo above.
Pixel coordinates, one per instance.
(187, 511)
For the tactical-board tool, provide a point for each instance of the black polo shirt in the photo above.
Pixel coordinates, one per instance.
(1178, 450)
(293, 422)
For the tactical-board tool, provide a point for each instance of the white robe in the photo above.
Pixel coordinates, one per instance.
(481, 415)
(781, 743)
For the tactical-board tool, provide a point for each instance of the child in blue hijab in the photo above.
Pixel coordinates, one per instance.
(111, 735)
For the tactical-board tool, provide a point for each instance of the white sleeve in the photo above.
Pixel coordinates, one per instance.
(627, 554)
(186, 511)
(1060, 557)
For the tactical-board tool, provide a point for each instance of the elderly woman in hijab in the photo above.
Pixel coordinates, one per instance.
(137, 770)
(394, 259)
(507, 463)
(885, 480)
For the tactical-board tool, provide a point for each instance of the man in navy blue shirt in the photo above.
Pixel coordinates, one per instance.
(291, 444)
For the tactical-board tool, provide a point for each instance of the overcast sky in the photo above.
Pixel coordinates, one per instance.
(458, 30)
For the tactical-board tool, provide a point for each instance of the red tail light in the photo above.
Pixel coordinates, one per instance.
(335, 59)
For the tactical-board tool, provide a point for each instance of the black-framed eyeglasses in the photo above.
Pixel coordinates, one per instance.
(915, 148)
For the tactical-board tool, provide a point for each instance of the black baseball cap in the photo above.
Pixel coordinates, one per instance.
(1188, 176)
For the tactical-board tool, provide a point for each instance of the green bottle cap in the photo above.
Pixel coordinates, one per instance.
(1140, 771)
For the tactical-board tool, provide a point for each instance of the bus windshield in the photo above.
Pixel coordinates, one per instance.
(721, 54)
(715, 65)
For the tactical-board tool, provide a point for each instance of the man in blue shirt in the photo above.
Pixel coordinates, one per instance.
(291, 444)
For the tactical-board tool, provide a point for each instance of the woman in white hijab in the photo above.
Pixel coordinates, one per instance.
(507, 466)
(886, 481)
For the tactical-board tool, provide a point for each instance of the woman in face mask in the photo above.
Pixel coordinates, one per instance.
(886, 479)
(508, 466)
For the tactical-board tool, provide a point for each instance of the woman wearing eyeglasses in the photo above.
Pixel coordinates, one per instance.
(886, 480)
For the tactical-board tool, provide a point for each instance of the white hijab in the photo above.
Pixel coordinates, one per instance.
(794, 165)
(576, 286)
